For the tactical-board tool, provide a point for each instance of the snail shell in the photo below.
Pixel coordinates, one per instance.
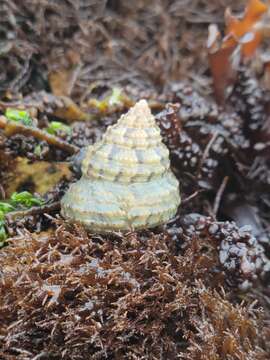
(127, 182)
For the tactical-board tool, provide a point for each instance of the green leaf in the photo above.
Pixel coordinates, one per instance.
(5, 208)
(25, 198)
(56, 126)
(37, 150)
(21, 116)
(116, 97)
(3, 234)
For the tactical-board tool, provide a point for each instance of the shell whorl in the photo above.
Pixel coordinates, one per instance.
(130, 151)
(127, 182)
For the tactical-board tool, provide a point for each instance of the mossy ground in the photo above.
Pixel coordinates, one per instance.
(184, 290)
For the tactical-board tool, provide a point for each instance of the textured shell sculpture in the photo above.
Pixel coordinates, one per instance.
(127, 183)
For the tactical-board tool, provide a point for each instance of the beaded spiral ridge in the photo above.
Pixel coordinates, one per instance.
(127, 183)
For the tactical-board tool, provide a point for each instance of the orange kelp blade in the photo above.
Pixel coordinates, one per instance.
(238, 28)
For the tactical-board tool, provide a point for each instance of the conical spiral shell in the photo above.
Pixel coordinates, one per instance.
(127, 182)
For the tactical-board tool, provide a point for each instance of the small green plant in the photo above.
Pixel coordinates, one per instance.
(17, 115)
(26, 199)
(56, 126)
(37, 150)
(115, 98)
(17, 200)
(4, 208)
(3, 234)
